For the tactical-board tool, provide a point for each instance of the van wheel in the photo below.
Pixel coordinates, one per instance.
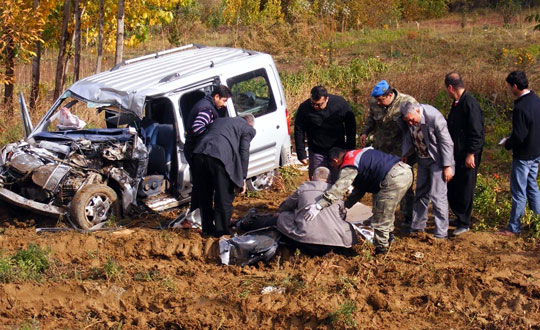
(261, 181)
(93, 204)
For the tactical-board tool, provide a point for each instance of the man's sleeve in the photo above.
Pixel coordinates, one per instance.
(300, 134)
(519, 130)
(407, 147)
(245, 141)
(350, 128)
(290, 204)
(475, 134)
(338, 189)
(444, 141)
(369, 125)
(203, 119)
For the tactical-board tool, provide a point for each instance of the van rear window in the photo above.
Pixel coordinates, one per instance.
(252, 93)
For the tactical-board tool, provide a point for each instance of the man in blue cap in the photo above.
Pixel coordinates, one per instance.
(383, 122)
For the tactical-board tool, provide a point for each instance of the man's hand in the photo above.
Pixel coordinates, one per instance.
(363, 139)
(243, 189)
(312, 211)
(469, 161)
(447, 173)
(304, 161)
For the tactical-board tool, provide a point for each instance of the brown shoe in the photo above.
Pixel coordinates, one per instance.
(506, 233)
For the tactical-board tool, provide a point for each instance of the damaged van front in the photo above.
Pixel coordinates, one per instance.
(113, 142)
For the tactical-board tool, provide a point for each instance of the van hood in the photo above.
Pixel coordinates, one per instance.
(132, 101)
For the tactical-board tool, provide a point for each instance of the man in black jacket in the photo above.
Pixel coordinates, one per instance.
(220, 164)
(327, 121)
(525, 145)
(466, 127)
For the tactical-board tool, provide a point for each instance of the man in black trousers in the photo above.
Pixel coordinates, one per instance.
(466, 127)
(220, 164)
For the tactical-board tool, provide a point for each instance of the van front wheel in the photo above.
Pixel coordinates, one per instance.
(93, 204)
(261, 181)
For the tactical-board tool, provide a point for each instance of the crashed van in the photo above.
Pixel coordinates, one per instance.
(112, 143)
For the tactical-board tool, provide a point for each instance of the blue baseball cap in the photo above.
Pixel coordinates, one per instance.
(379, 89)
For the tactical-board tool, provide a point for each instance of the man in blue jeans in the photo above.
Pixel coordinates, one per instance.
(525, 145)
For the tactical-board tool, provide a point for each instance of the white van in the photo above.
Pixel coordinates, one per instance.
(113, 141)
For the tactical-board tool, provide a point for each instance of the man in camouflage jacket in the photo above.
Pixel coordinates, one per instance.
(383, 122)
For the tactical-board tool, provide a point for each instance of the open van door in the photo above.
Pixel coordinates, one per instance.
(25, 116)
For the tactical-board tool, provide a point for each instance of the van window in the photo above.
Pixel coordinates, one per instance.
(252, 93)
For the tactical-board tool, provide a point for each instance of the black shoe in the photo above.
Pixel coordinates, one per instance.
(380, 250)
(391, 239)
(460, 231)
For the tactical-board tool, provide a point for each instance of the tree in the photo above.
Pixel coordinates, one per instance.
(19, 31)
(77, 37)
(119, 32)
(59, 79)
(100, 35)
(36, 61)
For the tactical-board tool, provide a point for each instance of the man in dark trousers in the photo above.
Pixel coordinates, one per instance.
(368, 170)
(525, 145)
(220, 165)
(201, 116)
(327, 121)
(466, 127)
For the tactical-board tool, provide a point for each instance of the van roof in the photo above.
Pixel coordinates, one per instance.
(130, 82)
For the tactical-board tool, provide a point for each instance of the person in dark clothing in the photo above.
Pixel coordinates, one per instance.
(220, 165)
(466, 127)
(524, 143)
(327, 121)
(368, 170)
(201, 116)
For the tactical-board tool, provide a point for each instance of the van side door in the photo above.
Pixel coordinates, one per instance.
(256, 92)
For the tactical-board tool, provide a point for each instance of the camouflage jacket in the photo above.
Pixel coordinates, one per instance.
(383, 122)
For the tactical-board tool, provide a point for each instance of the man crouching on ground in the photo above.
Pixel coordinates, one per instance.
(368, 170)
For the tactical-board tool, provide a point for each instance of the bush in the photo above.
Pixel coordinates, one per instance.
(27, 264)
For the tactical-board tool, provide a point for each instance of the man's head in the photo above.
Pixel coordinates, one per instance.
(411, 113)
(382, 92)
(336, 156)
(319, 98)
(321, 174)
(249, 118)
(517, 82)
(454, 85)
(220, 95)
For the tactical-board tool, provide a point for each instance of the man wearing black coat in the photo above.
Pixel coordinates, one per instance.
(466, 127)
(201, 116)
(220, 164)
(525, 145)
(327, 121)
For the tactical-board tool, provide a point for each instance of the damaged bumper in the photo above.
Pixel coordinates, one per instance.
(25, 203)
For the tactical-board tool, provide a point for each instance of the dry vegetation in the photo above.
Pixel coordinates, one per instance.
(144, 278)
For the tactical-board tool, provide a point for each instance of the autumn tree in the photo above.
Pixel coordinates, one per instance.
(20, 29)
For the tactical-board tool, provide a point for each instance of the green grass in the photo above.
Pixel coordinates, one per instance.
(27, 264)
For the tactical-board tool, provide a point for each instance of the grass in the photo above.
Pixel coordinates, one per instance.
(344, 316)
(27, 264)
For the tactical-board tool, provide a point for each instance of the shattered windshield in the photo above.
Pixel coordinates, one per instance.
(74, 114)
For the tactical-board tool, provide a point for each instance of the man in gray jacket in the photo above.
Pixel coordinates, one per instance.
(427, 135)
(326, 232)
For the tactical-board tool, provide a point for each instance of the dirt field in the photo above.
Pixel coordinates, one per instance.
(139, 278)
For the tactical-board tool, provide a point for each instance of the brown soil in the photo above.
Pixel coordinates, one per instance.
(172, 279)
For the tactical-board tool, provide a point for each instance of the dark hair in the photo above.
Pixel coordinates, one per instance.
(519, 79)
(222, 91)
(453, 79)
(317, 92)
(335, 152)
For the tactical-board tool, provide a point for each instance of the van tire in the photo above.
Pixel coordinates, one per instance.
(93, 204)
(261, 182)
